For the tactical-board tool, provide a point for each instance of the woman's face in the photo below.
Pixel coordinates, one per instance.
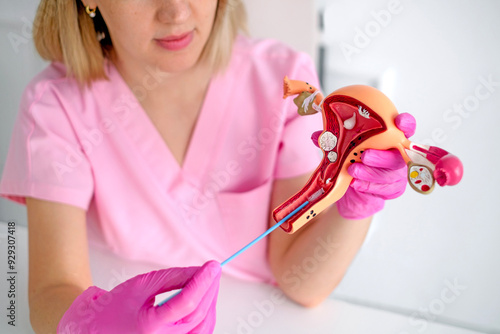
(169, 34)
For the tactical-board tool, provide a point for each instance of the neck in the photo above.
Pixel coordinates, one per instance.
(152, 86)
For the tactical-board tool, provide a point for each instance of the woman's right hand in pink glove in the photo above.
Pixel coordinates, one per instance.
(128, 308)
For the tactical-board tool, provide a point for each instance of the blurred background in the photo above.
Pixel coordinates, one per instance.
(433, 258)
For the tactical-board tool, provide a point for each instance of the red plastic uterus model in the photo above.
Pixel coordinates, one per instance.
(356, 118)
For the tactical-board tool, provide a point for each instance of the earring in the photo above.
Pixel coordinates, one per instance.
(91, 12)
(100, 36)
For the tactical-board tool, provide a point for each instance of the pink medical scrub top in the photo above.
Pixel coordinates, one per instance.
(98, 150)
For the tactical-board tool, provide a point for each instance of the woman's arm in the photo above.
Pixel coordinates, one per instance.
(310, 263)
(59, 268)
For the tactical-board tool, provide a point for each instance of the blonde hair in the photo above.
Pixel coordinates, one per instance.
(64, 32)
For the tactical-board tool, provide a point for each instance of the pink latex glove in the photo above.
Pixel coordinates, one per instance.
(128, 308)
(381, 175)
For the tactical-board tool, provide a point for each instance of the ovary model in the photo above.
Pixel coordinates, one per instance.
(356, 118)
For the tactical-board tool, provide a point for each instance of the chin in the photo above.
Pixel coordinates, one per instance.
(176, 68)
(177, 64)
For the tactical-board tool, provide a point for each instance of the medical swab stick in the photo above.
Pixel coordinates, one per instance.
(263, 235)
(260, 237)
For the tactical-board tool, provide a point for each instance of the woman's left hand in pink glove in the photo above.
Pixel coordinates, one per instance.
(381, 175)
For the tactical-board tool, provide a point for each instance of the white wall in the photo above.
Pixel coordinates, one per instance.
(428, 58)
(295, 25)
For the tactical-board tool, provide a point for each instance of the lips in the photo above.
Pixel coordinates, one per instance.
(176, 42)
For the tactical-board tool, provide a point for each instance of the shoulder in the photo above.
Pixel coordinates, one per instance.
(255, 75)
(50, 79)
(269, 54)
(268, 48)
(52, 91)
(49, 87)
(258, 66)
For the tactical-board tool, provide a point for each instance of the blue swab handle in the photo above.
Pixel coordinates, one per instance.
(260, 237)
(263, 235)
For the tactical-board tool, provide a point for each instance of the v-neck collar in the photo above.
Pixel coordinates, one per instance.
(203, 144)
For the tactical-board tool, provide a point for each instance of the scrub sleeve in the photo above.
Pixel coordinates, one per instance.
(44, 147)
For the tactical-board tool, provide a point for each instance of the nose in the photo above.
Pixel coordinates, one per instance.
(174, 11)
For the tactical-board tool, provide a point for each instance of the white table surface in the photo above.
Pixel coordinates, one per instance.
(243, 307)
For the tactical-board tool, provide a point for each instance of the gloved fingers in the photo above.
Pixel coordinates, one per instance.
(207, 325)
(315, 136)
(141, 290)
(390, 159)
(193, 295)
(363, 172)
(208, 300)
(381, 190)
(406, 123)
(71, 319)
(200, 320)
(357, 205)
(155, 282)
(205, 315)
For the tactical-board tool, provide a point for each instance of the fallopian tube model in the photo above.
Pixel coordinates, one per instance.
(356, 118)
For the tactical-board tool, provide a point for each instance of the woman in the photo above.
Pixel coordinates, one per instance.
(159, 133)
